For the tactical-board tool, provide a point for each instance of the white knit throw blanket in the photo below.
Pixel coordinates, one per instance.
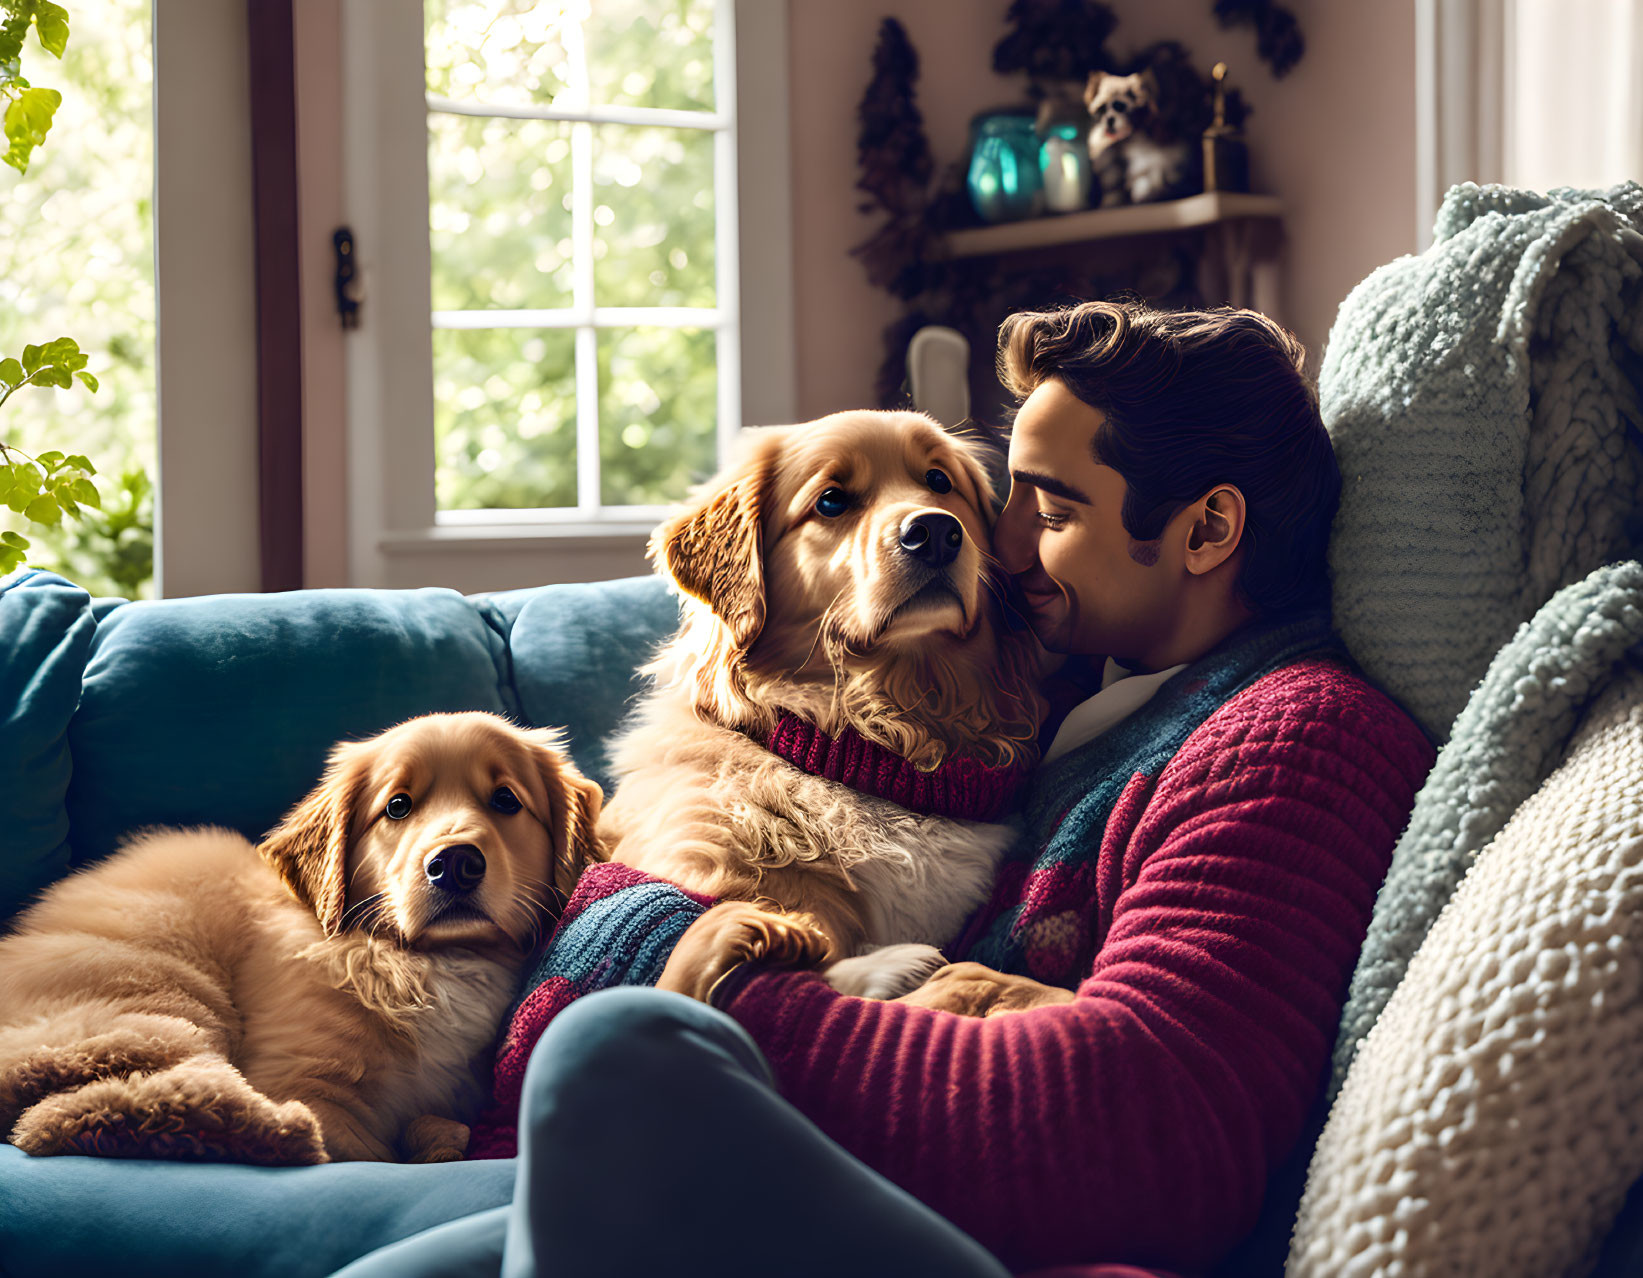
(1483, 399)
(1493, 1120)
(1512, 733)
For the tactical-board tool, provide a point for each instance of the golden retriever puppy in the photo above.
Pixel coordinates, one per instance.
(325, 996)
(843, 714)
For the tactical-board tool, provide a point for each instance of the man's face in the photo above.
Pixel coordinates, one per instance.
(1091, 588)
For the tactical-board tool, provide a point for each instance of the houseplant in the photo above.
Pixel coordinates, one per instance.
(44, 488)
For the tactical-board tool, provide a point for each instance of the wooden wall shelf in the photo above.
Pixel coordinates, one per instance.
(1209, 209)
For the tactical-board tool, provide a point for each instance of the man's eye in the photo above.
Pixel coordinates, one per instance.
(832, 503)
(1051, 519)
(505, 801)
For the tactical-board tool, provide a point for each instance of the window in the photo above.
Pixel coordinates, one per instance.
(576, 253)
(1574, 105)
(77, 259)
(1533, 93)
(555, 349)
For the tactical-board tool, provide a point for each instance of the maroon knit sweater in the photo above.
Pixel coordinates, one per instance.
(1220, 921)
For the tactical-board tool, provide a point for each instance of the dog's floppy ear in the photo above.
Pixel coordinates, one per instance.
(575, 844)
(576, 803)
(987, 449)
(713, 549)
(1092, 86)
(310, 847)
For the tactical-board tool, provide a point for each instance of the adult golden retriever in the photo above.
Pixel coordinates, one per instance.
(841, 638)
(325, 996)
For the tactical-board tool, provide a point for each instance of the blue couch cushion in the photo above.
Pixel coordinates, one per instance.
(576, 651)
(91, 1217)
(221, 710)
(46, 630)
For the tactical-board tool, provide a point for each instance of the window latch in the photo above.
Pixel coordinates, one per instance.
(347, 277)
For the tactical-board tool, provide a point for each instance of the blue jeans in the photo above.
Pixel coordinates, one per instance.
(652, 1141)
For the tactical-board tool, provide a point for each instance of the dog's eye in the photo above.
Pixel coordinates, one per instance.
(399, 807)
(833, 502)
(938, 481)
(504, 800)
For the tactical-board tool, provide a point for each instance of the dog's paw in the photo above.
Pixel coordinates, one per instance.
(29, 1073)
(200, 1111)
(735, 932)
(887, 972)
(432, 1139)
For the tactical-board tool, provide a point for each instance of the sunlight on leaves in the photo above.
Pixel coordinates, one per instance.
(76, 255)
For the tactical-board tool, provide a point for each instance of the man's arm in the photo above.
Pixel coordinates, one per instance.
(1139, 1120)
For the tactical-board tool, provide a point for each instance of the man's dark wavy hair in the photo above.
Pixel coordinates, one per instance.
(1194, 399)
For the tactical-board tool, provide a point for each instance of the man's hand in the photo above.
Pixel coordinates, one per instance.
(733, 932)
(973, 990)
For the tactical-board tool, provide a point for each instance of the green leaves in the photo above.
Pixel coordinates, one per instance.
(52, 487)
(43, 489)
(30, 110)
(13, 550)
(28, 120)
(54, 364)
(51, 25)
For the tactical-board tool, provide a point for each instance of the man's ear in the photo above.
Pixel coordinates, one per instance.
(309, 848)
(1215, 529)
(714, 548)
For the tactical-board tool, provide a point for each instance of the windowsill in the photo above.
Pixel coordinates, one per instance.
(488, 538)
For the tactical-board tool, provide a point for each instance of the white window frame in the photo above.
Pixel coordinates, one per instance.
(206, 521)
(1460, 57)
(1467, 98)
(397, 537)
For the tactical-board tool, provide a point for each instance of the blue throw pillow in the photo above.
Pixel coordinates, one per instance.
(45, 634)
(576, 652)
(221, 709)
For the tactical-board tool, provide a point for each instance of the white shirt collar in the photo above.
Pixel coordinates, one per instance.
(1122, 694)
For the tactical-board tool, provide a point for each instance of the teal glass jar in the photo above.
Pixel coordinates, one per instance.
(1004, 179)
(1065, 163)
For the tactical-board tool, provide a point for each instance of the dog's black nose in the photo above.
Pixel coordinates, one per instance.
(932, 537)
(457, 869)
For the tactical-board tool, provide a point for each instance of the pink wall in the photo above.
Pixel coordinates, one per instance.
(1335, 139)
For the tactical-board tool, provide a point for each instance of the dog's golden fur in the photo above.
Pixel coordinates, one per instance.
(788, 609)
(311, 999)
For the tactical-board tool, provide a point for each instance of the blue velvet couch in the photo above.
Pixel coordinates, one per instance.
(116, 715)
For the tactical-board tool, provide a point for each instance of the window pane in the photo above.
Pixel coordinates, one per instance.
(651, 53)
(503, 52)
(658, 409)
(504, 418)
(499, 220)
(77, 260)
(653, 217)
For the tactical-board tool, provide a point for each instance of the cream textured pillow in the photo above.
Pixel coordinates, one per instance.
(1492, 1121)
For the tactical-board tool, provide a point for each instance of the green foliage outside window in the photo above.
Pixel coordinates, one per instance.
(29, 108)
(76, 251)
(500, 230)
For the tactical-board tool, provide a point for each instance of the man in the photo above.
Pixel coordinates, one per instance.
(1149, 998)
